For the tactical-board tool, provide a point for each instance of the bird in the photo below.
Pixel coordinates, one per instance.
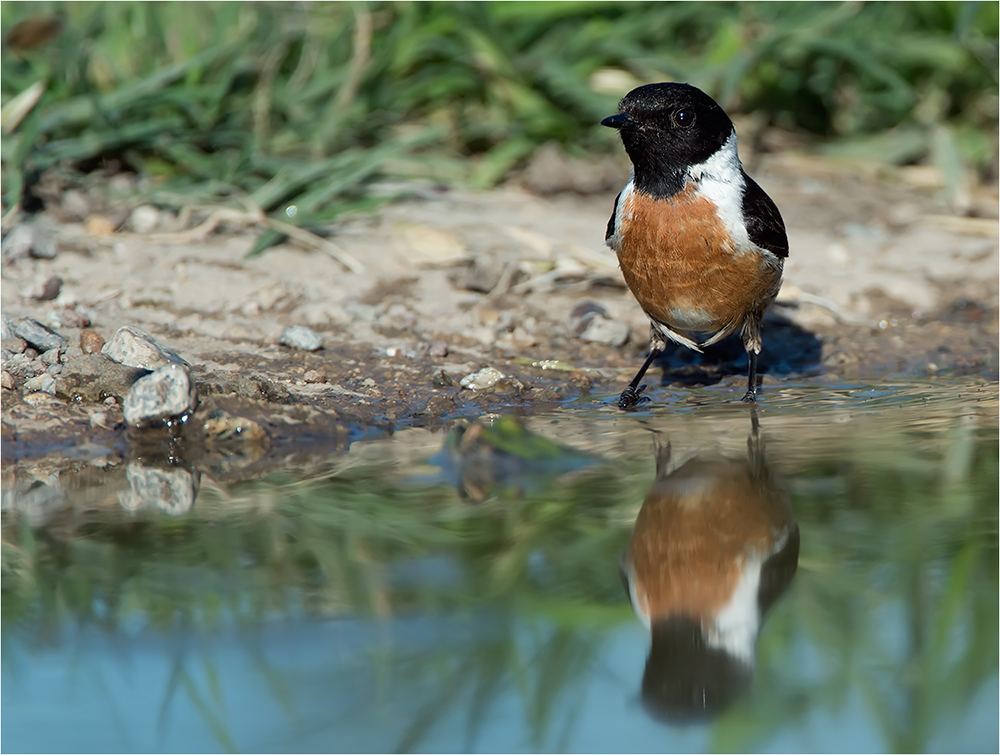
(701, 246)
(713, 547)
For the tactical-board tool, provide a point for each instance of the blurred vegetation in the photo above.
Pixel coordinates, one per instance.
(307, 104)
(896, 594)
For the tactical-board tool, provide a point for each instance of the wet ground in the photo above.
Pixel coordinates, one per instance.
(460, 587)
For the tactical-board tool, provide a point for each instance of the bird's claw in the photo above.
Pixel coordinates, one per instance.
(631, 397)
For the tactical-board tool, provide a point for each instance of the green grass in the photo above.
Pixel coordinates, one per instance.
(280, 104)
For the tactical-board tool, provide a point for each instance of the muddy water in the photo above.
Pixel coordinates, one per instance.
(820, 577)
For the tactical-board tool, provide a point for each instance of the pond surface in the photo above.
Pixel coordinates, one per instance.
(819, 575)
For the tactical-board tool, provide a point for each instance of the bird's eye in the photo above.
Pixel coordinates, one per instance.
(684, 117)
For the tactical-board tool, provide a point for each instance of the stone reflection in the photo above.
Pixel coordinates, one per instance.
(171, 489)
(713, 547)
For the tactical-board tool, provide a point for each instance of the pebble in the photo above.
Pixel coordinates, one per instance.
(39, 336)
(44, 383)
(591, 322)
(91, 342)
(74, 206)
(17, 365)
(301, 337)
(28, 240)
(144, 219)
(47, 291)
(484, 378)
(222, 427)
(438, 349)
(99, 225)
(314, 376)
(135, 348)
(75, 318)
(14, 344)
(172, 490)
(50, 357)
(6, 380)
(6, 328)
(164, 393)
(602, 330)
(482, 275)
(442, 379)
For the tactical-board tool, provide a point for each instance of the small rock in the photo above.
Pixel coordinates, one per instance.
(484, 378)
(39, 336)
(18, 243)
(172, 490)
(6, 328)
(302, 338)
(144, 219)
(50, 357)
(164, 393)
(591, 322)
(99, 225)
(91, 342)
(47, 291)
(482, 275)
(54, 369)
(442, 379)
(222, 427)
(74, 206)
(429, 246)
(602, 330)
(6, 380)
(14, 344)
(28, 240)
(17, 365)
(74, 318)
(43, 383)
(314, 376)
(135, 348)
(438, 349)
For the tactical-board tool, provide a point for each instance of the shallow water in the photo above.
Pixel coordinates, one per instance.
(440, 592)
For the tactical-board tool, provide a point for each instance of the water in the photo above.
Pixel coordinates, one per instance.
(462, 592)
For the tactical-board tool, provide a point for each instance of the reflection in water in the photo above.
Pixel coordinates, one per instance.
(713, 547)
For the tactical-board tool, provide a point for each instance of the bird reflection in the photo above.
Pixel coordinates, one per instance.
(712, 549)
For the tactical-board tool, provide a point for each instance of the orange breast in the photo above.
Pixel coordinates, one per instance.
(693, 537)
(682, 267)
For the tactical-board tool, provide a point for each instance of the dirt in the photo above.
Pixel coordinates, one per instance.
(882, 281)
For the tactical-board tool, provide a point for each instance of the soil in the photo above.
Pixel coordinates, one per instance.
(882, 281)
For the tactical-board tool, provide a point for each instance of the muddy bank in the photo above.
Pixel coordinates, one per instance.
(406, 302)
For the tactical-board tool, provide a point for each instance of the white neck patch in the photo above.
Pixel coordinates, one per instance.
(621, 213)
(720, 179)
(735, 627)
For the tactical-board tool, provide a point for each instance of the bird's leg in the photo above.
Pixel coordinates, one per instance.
(751, 394)
(632, 395)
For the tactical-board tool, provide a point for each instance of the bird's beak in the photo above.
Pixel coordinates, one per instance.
(619, 121)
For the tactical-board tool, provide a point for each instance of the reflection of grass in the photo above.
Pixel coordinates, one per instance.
(282, 105)
(898, 586)
(896, 593)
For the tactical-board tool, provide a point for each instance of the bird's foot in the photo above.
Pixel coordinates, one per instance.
(750, 397)
(631, 397)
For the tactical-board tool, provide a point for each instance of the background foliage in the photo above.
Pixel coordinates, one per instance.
(306, 104)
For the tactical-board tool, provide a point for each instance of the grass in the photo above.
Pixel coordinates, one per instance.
(274, 106)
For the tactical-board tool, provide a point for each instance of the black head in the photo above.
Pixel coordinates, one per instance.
(667, 128)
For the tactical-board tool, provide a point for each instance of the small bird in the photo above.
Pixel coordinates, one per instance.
(701, 246)
(715, 544)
